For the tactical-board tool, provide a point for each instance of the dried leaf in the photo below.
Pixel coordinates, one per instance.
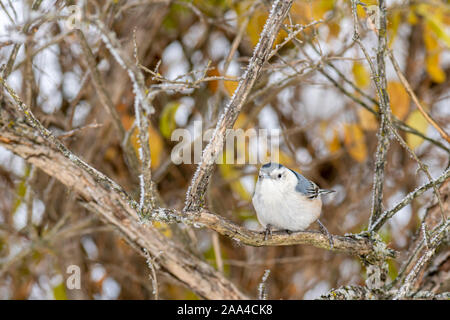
(230, 86)
(213, 85)
(256, 26)
(367, 120)
(399, 99)
(361, 75)
(167, 120)
(320, 7)
(155, 142)
(354, 141)
(418, 122)
(334, 145)
(361, 10)
(434, 19)
(59, 292)
(433, 68)
(412, 18)
(333, 30)
(432, 59)
(240, 121)
(231, 174)
(163, 228)
(394, 23)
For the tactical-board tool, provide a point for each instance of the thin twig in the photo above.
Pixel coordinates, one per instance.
(142, 110)
(415, 99)
(379, 77)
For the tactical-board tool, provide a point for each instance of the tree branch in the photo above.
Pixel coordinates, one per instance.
(200, 181)
(115, 209)
(352, 244)
(407, 200)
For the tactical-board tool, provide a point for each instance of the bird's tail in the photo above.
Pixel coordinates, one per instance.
(325, 191)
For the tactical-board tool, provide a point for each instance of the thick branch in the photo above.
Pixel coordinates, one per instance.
(383, 134)
(351, 244)
(114, 209)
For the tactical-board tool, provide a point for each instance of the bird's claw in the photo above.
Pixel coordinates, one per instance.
(324, 230)
(330, 239)
(268, 231)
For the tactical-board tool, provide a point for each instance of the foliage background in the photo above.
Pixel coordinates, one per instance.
(326, 135)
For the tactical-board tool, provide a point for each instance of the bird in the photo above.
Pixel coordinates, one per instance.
(286, 200)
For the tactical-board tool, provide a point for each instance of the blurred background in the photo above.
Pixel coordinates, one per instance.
(317, 90)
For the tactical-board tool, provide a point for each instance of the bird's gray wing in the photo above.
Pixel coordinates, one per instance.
(306, 187)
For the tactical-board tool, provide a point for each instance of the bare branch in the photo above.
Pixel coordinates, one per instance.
(117, 209)
(407, 200)
(143, 109)
(200, 181)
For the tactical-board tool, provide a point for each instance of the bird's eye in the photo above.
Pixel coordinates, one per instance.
(279, 176)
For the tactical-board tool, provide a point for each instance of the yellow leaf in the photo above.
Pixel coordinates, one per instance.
(431, 43)
(240, 121)
(361, 75)
(230, 86)
(155, 142)
(213, 85)
(399, 99)
(231, 174)
(354, 140)
(418, 122)
(167, 120)
(334, 144)
(367, 119)
(433, 68)
(435, 23)
(59, 292)
(301, 12)
(156, 147)
(361, 10)
(111, 154)
(256, 25)
(412, 18)
(333, 29)
(127, 119)
(320, 7)
(288, 161)
(432, 59)
(164, 228)
(395, 21)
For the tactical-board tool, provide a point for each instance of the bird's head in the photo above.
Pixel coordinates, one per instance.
(277, 175)
(284, 179)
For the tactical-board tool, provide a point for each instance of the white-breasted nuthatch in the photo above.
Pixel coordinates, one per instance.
(286, 200)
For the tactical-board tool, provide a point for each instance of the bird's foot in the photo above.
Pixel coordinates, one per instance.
(324, 230)
(268, 231)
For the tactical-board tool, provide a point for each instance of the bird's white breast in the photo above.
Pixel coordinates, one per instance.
(284, 208)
